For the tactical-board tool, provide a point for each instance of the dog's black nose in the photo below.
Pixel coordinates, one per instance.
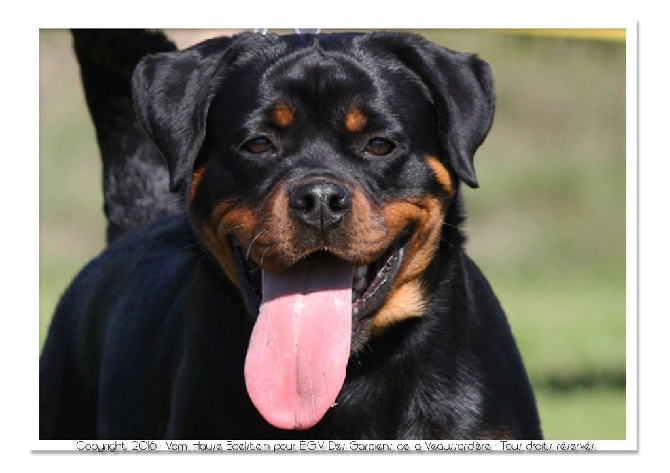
(320, 203)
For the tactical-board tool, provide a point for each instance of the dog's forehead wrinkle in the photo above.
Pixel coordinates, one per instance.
(327, 82)
(316, 72)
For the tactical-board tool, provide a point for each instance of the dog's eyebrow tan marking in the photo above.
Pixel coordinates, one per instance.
(441, 174)
(282, 114)
(355, 120)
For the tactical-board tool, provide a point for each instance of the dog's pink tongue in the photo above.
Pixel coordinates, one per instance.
(299, 347)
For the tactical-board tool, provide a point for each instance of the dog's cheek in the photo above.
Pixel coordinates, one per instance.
(425, 216)
(204, 220)
(407, 298)
(279, 237)
(221, 251)
(366, 237)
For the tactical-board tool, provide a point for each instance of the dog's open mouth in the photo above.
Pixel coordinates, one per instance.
(301, 341)
(370, 284)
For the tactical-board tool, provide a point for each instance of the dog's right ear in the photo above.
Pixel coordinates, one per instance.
(172, 92)
(461, 86)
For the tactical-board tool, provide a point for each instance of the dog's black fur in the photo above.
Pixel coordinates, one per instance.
(136, 180)
(348, 145)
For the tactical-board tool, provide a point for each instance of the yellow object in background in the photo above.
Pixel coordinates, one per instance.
(600, 34)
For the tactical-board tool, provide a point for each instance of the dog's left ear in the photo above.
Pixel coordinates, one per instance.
(172, 92)
(461, 86)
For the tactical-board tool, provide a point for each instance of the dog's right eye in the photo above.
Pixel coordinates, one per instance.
(379, 147)
(259, 145)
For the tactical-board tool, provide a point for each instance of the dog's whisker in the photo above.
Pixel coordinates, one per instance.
(263, 255)
(248, 254)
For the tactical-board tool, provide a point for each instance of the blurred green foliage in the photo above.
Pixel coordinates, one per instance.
(547, 225)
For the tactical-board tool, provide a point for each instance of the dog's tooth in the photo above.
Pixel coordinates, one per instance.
(361, 271)
(360, 283)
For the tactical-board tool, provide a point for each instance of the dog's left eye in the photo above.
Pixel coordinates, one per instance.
(379, 147)
(259, 145)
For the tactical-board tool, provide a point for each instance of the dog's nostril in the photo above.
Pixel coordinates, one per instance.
(340, 201)
(300, 201)
(320, 203)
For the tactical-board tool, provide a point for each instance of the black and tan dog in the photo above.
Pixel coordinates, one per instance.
(316, 284)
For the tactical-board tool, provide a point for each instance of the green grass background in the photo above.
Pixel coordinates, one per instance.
(547, 225)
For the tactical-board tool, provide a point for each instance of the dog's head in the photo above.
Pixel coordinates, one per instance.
(318, 172)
